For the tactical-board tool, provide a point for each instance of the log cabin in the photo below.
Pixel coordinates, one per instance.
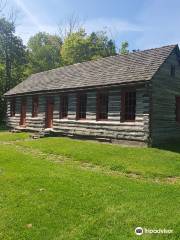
(133, 98)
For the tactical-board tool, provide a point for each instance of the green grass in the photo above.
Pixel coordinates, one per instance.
(64, 201)
(8, 136)
(143, 161)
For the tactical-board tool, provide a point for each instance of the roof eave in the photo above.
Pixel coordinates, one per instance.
(53, 91)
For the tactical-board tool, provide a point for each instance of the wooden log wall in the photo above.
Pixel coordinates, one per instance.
(112, 128)
(165, 88)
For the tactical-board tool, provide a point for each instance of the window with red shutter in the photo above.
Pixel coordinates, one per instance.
(128, 105)
(35, 103)
(102, 106)
(63, 106)
(81, 106)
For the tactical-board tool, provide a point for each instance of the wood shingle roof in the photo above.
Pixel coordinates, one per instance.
(119, 69)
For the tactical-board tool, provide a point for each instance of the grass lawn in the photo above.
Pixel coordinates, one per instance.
(8, 136)
(143, 161)
(58, 200)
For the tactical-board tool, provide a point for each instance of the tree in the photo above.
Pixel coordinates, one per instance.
(2, 5)
(13, 60)
(44, 52)
(71, 24)
(75, 48)
(124, 47)
(79, 47)
(100, 45)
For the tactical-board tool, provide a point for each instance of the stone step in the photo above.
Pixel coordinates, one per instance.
(42, 134)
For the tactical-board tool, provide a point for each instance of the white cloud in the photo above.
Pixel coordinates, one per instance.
(28, 14)
(25, 32)
(30, 25)
(113, 23)
(113, 26)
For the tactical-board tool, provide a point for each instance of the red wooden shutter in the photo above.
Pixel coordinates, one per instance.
(23, 112)
(49, 112)
(128, 105)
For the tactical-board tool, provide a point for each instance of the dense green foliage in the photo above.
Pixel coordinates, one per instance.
(74, 48)
(13, 60)
(50, 197)
(79, 47)
(44, 52)
(124, 47)
(100, 46)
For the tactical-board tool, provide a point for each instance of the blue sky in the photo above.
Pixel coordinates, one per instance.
(143, 23)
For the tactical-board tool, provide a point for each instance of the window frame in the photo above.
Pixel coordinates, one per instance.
(124, 108)
(81, 103)
(13, 107)
(35, 106)
(99, 110)
(177, 111)
(64, 102)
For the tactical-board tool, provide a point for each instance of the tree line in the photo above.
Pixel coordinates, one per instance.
(45, 51)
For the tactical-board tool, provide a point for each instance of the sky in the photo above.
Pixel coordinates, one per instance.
(143, 23)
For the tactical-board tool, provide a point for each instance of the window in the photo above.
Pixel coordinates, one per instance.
(35, 103)
(63, 106)
(81, 106)
(128, 106)
(102, 106)
(173, 70)
(178, 109)
(13, 107)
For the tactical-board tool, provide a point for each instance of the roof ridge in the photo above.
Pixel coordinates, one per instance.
(100, 59)
(154, 48)
(135, 66)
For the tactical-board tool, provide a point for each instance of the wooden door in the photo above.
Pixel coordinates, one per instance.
(49, 112)
(23, 113)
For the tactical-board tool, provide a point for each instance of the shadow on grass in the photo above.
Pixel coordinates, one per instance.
(171, 145)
